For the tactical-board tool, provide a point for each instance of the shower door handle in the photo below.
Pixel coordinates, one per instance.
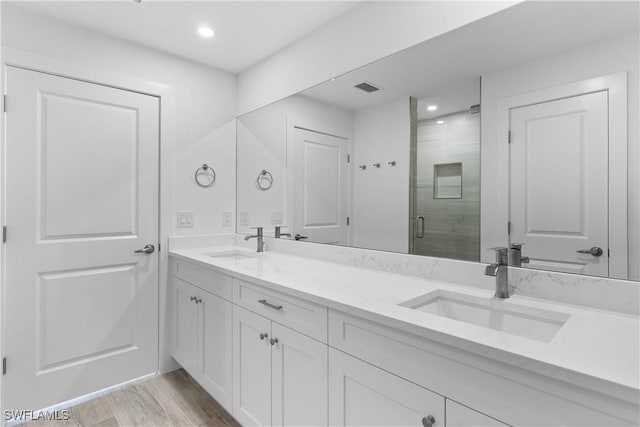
(420, 227)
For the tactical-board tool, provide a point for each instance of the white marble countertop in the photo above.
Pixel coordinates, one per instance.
(595, 349)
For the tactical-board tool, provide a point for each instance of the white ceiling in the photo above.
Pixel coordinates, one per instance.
(446, 70)
(246, 31)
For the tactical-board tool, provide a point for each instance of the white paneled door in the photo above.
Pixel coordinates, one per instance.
(321, 186)
(81, 197)
(559, 183)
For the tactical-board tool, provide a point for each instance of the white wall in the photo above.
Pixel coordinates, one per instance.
(205, 105)
(262, 144)
(366, 33)
(381, 196)
(605, 57)
(203, 102)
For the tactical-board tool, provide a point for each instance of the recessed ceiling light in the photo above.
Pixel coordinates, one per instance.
(432, 108)
(440, 122)
(205, 32)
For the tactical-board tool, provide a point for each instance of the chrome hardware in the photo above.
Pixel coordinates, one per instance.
(392, 163)
(376, 165)
(300, 237)
(428, 421)
(192, 299)
(420, 227)
(499, 271)
(263, 336)
(595, 251)
(258, 236)
(363, 167)
(268, 304)
(273, 341)
(517, 259)
(264, 181)
(198, 300)
(279, 233)
(205, 171)
(148, 249)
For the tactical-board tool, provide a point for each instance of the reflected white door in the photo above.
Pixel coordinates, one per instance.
(321, 186)
(559, 180)
(82, 195)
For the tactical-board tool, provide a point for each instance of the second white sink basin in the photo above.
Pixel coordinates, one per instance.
(500, 315)
(232, 255)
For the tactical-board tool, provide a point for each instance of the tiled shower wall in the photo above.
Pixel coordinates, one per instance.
(451, 226)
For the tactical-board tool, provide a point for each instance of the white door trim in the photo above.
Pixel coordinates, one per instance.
(616, 85)
(23, 59)
(294, 122)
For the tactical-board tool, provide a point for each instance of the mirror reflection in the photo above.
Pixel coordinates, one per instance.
(468, 141)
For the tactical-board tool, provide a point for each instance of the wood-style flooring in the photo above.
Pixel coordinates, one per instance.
(172, 400)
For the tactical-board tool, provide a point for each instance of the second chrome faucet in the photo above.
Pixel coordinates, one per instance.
(499, 270)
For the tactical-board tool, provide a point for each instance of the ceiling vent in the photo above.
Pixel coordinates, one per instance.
(367, 87)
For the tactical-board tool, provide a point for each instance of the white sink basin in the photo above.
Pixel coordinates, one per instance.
(500, 315)
(232, 255)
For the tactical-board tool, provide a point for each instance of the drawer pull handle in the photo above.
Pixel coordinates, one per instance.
(263, 336)
(198, 300)
(428, 421)
(193, 299)
(268, 304)
(273, 341)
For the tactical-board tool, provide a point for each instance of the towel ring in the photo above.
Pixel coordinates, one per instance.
(264, 181)
(205, 176)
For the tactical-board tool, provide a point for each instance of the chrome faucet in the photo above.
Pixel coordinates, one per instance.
(279, 233)
(516, 255)
(499, 271)
(258, 236)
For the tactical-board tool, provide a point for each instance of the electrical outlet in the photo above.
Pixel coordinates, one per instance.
(277, 217)
(227, 218)
(244, 217)
(185, 219)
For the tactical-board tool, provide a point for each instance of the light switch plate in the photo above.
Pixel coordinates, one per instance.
(244, 217)
(227, 218)
(277, 217)
(185, 219)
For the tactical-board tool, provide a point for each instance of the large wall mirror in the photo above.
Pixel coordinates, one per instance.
(520, 128)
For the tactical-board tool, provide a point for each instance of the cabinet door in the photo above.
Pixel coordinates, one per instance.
(461, 416)
(251, 368)
(364, 395)
(299, 374)
(216, 352)
(186, 330)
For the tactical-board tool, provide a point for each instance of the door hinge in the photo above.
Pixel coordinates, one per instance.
(348, 158)
(509, 137)
(347, 220)
(509, 227)
(4, 103)
(4, 366)
(4, 234)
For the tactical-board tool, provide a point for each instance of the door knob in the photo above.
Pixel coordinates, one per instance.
(148, 249)
(428, 421)
(595, 251)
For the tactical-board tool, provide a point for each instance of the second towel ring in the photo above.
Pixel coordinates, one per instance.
(264, 181)
(205, 176)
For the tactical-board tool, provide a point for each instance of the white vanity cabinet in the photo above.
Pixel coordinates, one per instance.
(279, 375)
(361, 394)
(201, 339)
(461, 416)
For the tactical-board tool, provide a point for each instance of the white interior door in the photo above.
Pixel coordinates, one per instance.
(81, 197)
(321, 187)
(559, 183)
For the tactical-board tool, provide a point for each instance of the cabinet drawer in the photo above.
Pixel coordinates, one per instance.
(517, 397)
(209, 280)
(300, 315)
